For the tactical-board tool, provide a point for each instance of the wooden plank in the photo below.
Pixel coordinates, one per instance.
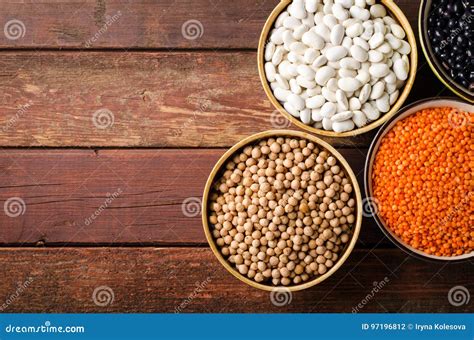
(141, 24)
(134, 196)
(192, 280)
(201, 99)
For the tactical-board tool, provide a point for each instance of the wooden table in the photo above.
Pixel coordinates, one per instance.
(103, 199)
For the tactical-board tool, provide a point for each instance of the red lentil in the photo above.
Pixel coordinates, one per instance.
(423, 183)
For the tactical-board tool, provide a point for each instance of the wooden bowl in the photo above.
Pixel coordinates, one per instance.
(397, 14)
(216, 171)
(432, 60)
(405, 112)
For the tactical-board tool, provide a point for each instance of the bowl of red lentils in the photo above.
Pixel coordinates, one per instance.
(282, 210)
(419, 182)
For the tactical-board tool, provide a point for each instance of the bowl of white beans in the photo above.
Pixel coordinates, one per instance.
(282, 209)
(337, 68)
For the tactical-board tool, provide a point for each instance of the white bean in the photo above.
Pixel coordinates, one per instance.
(342, 116)
(354, 30)
(281, 94)
(296, 101)
(328, 110)
(365, 93)
(359, 118)
(370, 112)
(316, 115)
(360, 13)
(329, 95)
(270, 71)
(375, 56)
(393, 97)
(311, 5)
(342, 99)
(401, 68)
(315, 102)
(297, 9)
(397, 31)
(359, 54)
(354, 104)
(319, 61)
(305, 116)
(278, 55)
(379, 70)
(343, 126)
(324, 74)
(335, 53)
(291, 23)
(378, 11)
(377, 90)
(294, 87)
(337, 34)
(382, 103)
(349, 84)
(349, 63)
(269, 50)
(327, 124)
(376, 40)
(313, 40)
(291, 110)
(339, 12)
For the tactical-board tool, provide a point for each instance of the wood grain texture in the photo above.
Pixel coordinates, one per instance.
(184, 99)
(143, 24)
(117, 196)
(192, 280)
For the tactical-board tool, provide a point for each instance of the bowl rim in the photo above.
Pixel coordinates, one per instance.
(398, 15)
(269, 134)
(402, 114)
(431, 59)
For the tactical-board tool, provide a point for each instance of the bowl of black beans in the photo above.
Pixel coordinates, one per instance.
(446, 33)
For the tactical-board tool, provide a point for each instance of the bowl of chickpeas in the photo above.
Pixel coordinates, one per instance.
(418, 179)
(282, 209)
